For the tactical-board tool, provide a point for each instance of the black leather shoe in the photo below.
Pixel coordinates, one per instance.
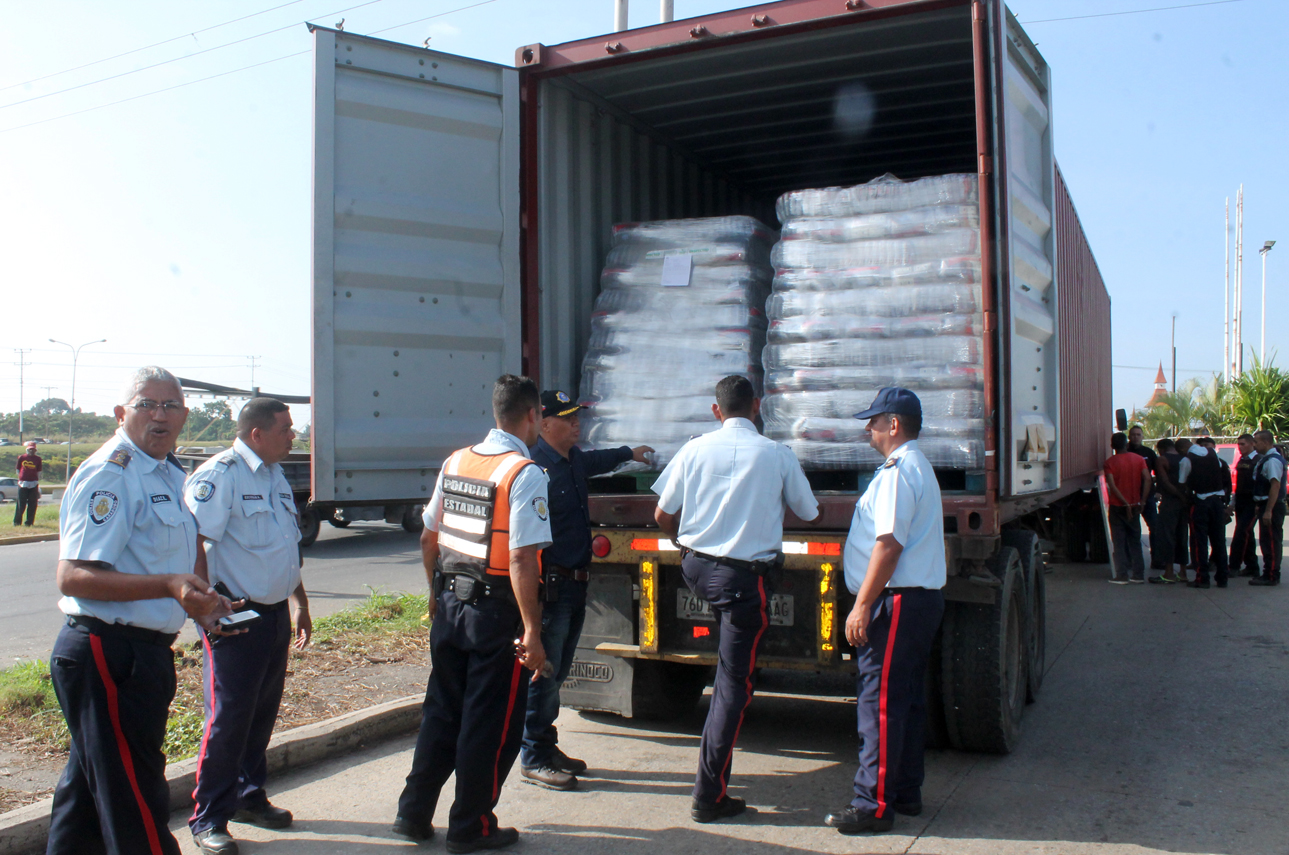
(549, 777)
(564, 763)
(215, 841)
(502, 838)
(412, 829)
(907, 808)
(1198, 583)
(724, 809)
(1261, 582)
(852, 820)
(265, 816)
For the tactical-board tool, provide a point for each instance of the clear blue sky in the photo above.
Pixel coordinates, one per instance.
(177, 225)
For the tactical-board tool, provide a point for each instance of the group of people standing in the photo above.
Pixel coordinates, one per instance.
(1183, 491)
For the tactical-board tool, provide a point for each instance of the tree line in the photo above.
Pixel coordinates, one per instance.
(212, 421)
(1256, 400)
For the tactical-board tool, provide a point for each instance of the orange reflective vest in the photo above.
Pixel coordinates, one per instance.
(474, 531)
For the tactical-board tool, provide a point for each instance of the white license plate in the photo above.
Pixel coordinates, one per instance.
(691, 607)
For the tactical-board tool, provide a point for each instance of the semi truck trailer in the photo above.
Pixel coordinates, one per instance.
(462, 213)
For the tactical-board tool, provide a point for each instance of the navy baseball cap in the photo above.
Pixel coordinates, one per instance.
(557, 403)
(894, 400)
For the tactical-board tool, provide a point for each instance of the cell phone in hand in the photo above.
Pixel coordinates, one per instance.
(240, 620)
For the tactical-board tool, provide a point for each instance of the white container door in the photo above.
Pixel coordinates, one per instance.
(1029, 417)
(415, 261)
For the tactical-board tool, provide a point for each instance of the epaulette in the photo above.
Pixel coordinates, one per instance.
(121, 456)
(891, 463)
(226, 458)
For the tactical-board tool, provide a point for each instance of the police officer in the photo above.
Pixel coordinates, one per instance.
(1244, 552)
(894, 564)
(1269, 498)
(564, 567)
(485, 523)
(1208, 481)
(246, 521)
(722, 499)
(126, 555)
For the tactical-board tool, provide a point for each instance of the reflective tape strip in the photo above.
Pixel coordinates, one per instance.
(506, 466)
(460, 523)
(474, 550)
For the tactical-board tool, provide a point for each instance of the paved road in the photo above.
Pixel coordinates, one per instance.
(338, 570)
(1161, 728)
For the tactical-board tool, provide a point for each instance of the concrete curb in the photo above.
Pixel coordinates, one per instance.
(25, 830)
(28, 538)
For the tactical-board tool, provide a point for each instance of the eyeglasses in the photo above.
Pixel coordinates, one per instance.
(167, 407)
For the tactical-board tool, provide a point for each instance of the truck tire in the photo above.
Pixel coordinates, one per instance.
(413, 523)
(937, 735)
(310, 525)
(661, 691)
(1025, 543)
(984, 663)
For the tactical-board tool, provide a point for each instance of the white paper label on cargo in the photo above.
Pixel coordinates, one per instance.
(676, 270)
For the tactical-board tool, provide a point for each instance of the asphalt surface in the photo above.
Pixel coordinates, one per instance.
(341, 568)
(1161, 727)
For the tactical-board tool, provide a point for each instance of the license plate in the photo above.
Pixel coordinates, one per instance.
(691, 607)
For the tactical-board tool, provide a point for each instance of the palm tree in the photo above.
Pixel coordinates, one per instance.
(1261, 398)
(1214, 405)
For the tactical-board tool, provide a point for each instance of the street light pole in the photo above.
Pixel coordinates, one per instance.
(71, 407)
(1266, 248)
(1174, 353)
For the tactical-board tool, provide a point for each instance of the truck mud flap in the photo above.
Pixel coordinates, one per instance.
(598, 682)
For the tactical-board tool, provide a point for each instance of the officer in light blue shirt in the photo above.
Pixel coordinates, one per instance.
(722, 499)
(246, 522)
(126, 559)
(894, 564)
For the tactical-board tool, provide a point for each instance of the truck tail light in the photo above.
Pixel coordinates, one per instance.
(600, 546)
(653, 544)
(802, 547)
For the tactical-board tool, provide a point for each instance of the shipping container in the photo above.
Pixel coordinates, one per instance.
(463, 211)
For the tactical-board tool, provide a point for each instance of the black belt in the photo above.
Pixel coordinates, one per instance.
(908, 590)
(264, 608)
(760, 568)
(478, 590)
(134, 633)
(580, 574)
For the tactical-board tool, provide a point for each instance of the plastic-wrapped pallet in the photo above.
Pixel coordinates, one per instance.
(681, 305)
(876, 285)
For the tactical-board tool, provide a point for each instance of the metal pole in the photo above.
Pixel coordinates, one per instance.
(71, 407)
(1226, 297)
(619, 15)
(1174, 353)
(22, 362)
(1239, 282)
(666, 11)
(1263, 252)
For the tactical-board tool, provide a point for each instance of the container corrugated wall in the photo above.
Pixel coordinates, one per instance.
(1086, 404)
(597, 169)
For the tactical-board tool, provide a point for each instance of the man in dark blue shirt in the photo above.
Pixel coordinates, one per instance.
(565, 574)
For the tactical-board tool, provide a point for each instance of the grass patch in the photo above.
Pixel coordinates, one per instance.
(384, 629)
(46, 521)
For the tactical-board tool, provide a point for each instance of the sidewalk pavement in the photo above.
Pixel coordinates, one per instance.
(1160, 729)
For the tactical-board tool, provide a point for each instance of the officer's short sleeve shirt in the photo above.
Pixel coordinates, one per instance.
(529, 510)
(902, 500)
(731, 487)
(245, 507)
(125, 509)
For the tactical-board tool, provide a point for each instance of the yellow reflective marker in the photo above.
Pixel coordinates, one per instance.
(827, 613)
(648, 607)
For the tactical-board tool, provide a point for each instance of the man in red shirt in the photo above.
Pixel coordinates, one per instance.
(1128, 483)
(29, 466)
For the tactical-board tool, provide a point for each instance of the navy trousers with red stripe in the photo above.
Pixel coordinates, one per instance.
(740, 601)
(1271, 538)
(473, 718)
(243, 682)
(892, 698)
(1244, 550)
(112, 797)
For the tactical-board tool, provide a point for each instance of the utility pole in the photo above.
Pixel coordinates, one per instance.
(253, 360)
(1239, 282)
(619, 15)
(1266, 248)
(71, 407)
(1174, 353)
(22, 362)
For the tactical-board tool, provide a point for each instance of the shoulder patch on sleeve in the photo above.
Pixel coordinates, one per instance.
(103, 505)
(203, 491)
(539, 505)
(120, 456)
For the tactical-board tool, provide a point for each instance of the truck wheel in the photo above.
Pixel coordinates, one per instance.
(661, 691)
(310, 525)
(412, 521)
(983, 662)
(1031, 561)
(937, 735)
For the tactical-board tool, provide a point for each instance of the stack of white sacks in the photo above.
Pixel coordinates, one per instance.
(876, 285)
(681, 305)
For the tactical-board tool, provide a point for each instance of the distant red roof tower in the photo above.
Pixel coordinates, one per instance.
(1161, 388)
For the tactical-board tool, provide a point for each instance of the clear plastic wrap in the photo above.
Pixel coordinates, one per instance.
(657, 350)
(881, 195)
(877, 285)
